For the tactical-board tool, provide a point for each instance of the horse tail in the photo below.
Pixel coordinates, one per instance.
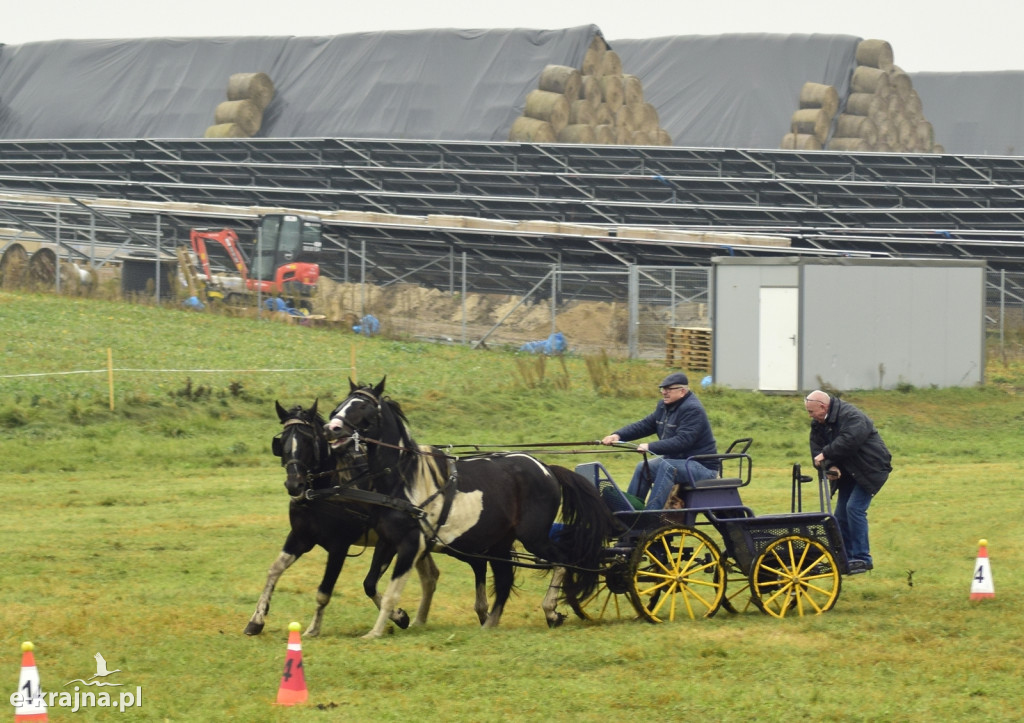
(587, 524)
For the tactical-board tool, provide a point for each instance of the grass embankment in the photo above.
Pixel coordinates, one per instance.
(145, 533)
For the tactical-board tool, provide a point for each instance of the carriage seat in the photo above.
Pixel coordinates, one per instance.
(718, 491)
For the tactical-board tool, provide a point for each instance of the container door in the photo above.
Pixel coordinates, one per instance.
(778, 341)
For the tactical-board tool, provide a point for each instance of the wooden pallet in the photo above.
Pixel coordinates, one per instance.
(688, 348)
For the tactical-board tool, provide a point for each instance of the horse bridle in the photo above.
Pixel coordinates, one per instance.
(357, 435)
(293, 465)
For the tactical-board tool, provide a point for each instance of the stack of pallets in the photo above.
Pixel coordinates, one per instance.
(688, 348)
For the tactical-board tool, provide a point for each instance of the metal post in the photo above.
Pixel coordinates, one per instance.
(362, 279)
(1002, 311)
(159, 269)
(634, 312)
(259, 258)
(58, 250)
(554, 296)
(464, 319)
(672, 297)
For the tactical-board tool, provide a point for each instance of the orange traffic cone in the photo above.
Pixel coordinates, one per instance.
(981, 583)
(293, 680)
(30, 705)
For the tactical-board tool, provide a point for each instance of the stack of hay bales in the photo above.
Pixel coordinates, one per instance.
(809, 126)
(597, 104)
(241, 115)
(882, 112)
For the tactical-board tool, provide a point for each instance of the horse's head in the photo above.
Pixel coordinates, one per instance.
(303, 449)
(359, 416)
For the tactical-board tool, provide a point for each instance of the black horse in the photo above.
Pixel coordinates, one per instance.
(473, 508)
(311, 465)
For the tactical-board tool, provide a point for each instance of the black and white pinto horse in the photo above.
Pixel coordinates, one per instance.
(311, 465)
(473, 508)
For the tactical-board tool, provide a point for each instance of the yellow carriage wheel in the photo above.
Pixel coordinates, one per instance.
(677, 573)
(737, 598)
(795, 575)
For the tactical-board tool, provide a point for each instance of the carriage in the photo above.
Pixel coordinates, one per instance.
(508, 509)
(711, 551)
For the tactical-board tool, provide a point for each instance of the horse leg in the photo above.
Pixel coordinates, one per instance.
(504, 578)
(259, 617)
(335, 561)
(404, 563)
(550, 601)
(480, 585)
(428, 572)
(382, 556)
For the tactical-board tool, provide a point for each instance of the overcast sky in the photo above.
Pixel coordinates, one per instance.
(937, 35)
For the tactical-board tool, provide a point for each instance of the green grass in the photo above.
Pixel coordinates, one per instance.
(145, 533)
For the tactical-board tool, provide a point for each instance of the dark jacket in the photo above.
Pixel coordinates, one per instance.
(683, 430)
(848, 439)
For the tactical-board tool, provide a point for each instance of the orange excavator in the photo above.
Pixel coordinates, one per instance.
(284, 261)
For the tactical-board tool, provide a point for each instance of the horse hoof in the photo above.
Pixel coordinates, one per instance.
(556, 621)
(254, 628)
(401, 618)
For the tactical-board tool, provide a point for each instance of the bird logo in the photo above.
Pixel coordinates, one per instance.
(101, 672)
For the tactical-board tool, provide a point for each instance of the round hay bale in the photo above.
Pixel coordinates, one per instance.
(531, 130)
(632, 90)
(244, 113)
(875, 53)
(592, 58)
(848, 144)
(642, 138)
(225, 130)
(913, 106)
(577, 133)
(624, 118)
(645, 116)
(906, 133)
(604, 134)
(611, 64)
(257, 87)
(611, 91)
(581, 111)
(888, 134)
(865, 104)
(662, 137)
(561, 79)
(590, 90)
(547, 106)
(938, 148)
(603, 115)
(869, 80)
(894, 107)
(623, 136)
(856, 126)
(813, 121)
(900, 81)
(800, 142)
(819, 95)
(925, 135)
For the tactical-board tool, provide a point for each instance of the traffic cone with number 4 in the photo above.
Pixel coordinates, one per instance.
(293, 680)
(981, 583)
(30, 705)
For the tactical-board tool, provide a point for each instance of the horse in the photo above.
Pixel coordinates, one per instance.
(473, 508)
(311, 465)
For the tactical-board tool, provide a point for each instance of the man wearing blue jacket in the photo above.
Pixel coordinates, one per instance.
(683, 431)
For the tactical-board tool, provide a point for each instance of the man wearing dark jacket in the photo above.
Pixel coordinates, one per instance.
(683, 431)
(845, 443)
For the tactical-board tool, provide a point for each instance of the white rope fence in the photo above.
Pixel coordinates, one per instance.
(111, 369)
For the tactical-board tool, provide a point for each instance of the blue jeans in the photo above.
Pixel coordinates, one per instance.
(852, 515)
(664, 473)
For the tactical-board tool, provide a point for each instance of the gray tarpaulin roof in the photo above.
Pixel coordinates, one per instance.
(726, 91)
(424, 84)
(734, 91)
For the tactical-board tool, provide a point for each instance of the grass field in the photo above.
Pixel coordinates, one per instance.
(145, 533)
